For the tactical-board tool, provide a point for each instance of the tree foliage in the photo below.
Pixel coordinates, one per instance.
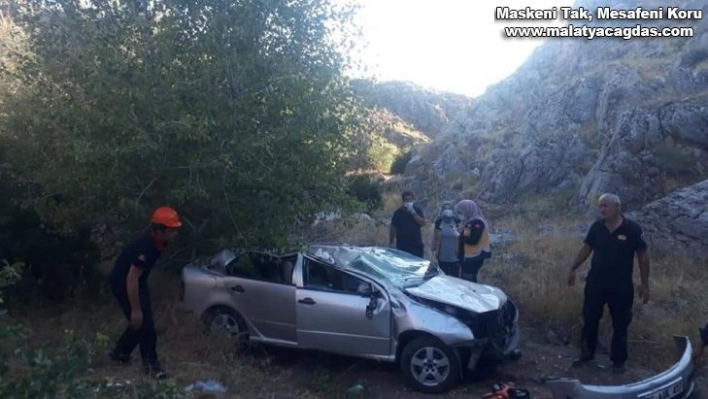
(398, 166)
(237, 113)
(368, 190)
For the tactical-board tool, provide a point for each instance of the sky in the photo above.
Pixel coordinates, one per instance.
(449, 45)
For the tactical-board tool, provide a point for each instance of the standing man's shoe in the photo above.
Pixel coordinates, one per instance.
(583, 360)
(119, 358)
(155, 371)
(618, 367)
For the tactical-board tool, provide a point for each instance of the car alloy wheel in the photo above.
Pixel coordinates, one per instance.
(224, 323)
(429, 366)
(225, 320)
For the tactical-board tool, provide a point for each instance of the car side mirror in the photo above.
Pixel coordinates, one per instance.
(364, 289)
(371, 306)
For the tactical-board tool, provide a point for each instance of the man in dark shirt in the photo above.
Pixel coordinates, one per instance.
(613, 241)
(406, 226)
(128, 281)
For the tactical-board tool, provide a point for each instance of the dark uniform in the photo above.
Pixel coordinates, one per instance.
(142, 252)
(610, 282)
(409, 237)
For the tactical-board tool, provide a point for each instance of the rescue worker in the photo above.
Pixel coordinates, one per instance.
(406, 226)
(128, 281)
(446, 238)
(613, 241)
(474, 244)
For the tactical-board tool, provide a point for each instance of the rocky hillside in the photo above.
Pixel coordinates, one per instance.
(403, 116)
(426, 111)
(579, 118)
(679, 219)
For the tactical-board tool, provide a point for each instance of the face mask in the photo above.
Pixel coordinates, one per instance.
(447, 214)
(408, 204)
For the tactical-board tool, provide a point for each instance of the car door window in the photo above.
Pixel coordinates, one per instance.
(263, 267)
(319, 276)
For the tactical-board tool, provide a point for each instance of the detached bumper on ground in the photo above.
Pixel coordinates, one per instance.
(673, 383)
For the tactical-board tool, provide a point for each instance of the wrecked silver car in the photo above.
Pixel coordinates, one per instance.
(674, 383)
(368, 302)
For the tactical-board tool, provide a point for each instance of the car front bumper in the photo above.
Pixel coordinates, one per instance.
(673, 383)
(502, 347)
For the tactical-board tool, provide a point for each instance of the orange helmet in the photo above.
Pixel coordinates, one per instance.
(166, 216)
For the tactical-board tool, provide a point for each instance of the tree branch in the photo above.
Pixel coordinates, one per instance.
(228, 203)
(142, 193)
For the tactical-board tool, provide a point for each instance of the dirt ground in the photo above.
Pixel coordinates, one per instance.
(333, 375)
(189, 355)
(290, 374)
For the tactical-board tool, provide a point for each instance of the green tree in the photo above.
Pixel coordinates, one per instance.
(398, 166)
(367, 190)
(382, 153)
(236, 112)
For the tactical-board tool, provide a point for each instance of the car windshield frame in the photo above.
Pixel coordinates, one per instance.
(397, 267)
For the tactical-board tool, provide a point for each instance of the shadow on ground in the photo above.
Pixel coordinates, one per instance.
(335, 376)
(332, 376)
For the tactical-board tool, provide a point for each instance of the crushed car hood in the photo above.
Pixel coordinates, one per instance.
(463, 294)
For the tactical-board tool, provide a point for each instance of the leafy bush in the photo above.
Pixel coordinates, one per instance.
(367, 190)
(9, 275)
(398, 167)
(58, 370)
(62, 370)
(674, 161)
(57, 264)
(382, 153)
(221, 120)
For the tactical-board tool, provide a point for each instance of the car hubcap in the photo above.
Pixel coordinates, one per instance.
(430, 366)
(224, 323)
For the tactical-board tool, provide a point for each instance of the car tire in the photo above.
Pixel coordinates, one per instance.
(429, 366)
(225, 317)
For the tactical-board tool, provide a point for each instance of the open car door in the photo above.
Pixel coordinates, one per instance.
(262, 289)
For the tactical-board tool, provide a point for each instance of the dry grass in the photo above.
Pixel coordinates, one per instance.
(186, 351)
(532, 269)
(535, 274)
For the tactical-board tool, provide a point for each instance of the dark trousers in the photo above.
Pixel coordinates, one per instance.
(470, 268)
(620, 303)
(413, 249)
(145, 336)
(450, 268)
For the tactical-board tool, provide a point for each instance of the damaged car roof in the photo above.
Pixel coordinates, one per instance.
(343, 255)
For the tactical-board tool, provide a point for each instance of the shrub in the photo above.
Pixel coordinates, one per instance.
(675, 162)
(57, 264)
(60, 369)
(382, 153)
(398, 166)
(366, 190)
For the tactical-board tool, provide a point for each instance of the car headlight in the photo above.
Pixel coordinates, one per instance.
(451, 310)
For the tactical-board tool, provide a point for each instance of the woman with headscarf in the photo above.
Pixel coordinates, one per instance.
(446, 239)
(474, 245)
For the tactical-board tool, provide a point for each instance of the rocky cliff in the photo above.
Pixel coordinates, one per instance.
(402, 116)
(426, 111)
(677, 220)
(579, 118)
